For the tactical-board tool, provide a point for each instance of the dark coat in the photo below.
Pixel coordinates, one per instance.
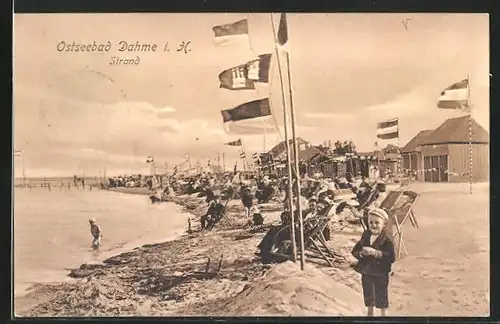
(370, 265)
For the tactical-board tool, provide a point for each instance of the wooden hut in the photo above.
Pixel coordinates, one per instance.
(443, 154)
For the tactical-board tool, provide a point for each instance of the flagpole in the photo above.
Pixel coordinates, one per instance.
(398, 165)
(296, 159)
(287, 145)
(471, 162)
(23, 167)
(244, 160)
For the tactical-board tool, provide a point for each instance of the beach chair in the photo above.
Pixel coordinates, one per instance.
(399, 215)
(314, 229)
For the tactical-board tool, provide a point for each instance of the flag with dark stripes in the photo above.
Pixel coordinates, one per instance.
(388, 129)
(249, 110)
(235, 143)
(227, 33)
(244, 76)
(455, 96)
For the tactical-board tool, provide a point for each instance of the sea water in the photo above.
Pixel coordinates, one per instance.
(52, 233)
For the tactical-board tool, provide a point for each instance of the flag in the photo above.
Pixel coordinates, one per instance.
(251, 117)
(388, 129)
(243, 155)
(229, 32)
(455, 96)
(256, 158)
(258, 69)
(235, 79)
(150, 159)
(244, 76)
(17, 153)
(283, 30)
(252, 126)
(234, 143)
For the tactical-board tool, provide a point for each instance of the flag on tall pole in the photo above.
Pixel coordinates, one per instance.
(388, 129)
(279, 41)
(248, 118)
(457, 96)
(283, 41)
(244, 76)
(228, 33)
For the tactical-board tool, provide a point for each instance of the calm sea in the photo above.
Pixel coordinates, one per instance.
(52, 233)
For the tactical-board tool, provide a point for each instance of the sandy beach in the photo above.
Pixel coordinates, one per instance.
(445, 274)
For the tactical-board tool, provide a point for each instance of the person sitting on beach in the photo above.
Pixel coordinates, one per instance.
(312, 209)
(375, 254)
(213, 214)
(258, 219)
(96, 232)
(247, 200)
(209, 193)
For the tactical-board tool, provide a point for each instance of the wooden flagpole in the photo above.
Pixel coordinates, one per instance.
(296, 160)
(244, 158)
(287, 145)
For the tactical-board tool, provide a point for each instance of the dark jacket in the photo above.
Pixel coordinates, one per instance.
(370, 265)
(247, 200)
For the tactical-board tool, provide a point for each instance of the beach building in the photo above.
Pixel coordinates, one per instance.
(305, 150)
(442, 155)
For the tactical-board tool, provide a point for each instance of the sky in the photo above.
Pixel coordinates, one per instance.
(74, 113)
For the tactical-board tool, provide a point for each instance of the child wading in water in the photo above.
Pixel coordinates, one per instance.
(96, 232)
(375, 252)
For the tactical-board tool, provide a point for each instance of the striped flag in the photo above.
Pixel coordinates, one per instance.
(17, 153)
(455, 96)
(388, 129)
(227, 33)
(253, 117)
(256, 158)
(235, 143)
(243, 155)
(244, 76)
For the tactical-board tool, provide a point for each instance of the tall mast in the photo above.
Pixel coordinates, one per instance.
(296, 160)
(287, 145)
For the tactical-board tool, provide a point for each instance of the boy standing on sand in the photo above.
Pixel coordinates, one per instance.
(96, 232)
(247, 200)
(375, 252)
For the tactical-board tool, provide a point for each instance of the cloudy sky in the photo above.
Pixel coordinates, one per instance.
(75, 114)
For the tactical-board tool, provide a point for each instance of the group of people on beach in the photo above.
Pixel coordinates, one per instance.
(374, 251)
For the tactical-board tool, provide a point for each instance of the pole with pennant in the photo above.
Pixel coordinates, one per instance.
(287, 147)
(287, 143)
(471, 161)
(296, 160)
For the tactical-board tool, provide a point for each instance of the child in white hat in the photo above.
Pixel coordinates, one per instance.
(375, 252)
